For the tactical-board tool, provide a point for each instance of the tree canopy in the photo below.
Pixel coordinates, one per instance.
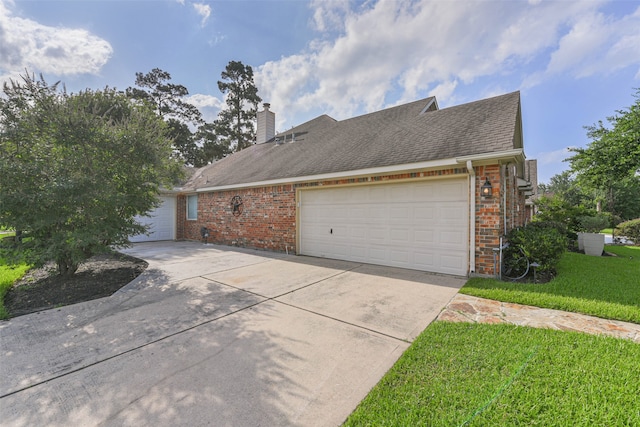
(234, 125)
(76, 169)
(612, 158)
(168, 101)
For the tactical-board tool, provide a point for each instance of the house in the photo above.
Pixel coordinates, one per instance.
(411, 186)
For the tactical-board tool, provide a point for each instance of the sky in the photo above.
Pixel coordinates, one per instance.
(574, 62)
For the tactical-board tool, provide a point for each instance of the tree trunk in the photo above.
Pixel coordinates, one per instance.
(66, 267)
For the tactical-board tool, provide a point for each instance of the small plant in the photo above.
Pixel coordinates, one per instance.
(593, 224)
(630, 230)
(542, 242)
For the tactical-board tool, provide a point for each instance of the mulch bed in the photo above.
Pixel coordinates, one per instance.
(99, 276)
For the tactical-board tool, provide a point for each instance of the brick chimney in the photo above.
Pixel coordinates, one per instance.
(266, 124)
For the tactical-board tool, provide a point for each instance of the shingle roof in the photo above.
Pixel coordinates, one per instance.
(394, 136)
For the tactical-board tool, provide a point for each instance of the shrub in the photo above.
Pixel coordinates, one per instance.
(542, 242)
(593, 224)
(630, 230)
(556, 209)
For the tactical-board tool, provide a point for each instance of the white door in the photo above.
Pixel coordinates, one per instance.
(421, 225)
(161, 222)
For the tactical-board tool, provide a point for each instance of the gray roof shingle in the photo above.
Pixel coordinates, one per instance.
(394, 136)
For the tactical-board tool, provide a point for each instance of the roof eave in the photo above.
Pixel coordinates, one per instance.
(515, 155)
(403, 168)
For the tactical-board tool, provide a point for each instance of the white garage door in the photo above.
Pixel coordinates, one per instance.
(161, 222)
(419, 225)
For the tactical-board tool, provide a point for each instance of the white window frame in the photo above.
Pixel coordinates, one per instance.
(192, 212)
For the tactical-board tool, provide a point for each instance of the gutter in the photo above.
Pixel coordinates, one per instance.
(515, 154)
(403, 168)
(472, 217)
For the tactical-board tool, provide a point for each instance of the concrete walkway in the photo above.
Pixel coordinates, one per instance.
(466, 308)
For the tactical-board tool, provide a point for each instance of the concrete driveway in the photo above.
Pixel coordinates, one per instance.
(211, 335)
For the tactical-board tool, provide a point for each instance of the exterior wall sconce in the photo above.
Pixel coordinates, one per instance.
(486, 189)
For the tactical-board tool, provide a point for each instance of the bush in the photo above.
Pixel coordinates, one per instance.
(542, 242)
(556, 209)
(593, 224)
(630, 230)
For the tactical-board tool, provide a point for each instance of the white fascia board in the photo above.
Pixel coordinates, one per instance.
(515, 154)
(169, 191)
(404, 168)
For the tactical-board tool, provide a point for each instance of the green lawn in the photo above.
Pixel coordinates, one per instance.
(458, 374)
(607, 287)
(8, 275)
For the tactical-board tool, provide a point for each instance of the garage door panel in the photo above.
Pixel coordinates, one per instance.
(400, 256)
(453, 239)
(425, 213)
(161, 222)
(358, 232)
(424, 260)
(378, 234)
(424, 237)
(412, 225)
(377, 254)
(399, 235)
(451, 264)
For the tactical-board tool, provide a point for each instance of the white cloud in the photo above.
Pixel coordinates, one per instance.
(329, 14)
(201, 100)
(204, 10)
(366, 52)
(25, 43)
(553, 157)
(208, 105)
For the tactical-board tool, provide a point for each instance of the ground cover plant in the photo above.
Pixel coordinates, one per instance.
(605, 286)
(8, 275)
(460, 374)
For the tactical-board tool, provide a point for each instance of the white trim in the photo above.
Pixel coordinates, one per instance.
(516, 153)
(472, 217)
(404, 168)
(188, 210)
(429, 104)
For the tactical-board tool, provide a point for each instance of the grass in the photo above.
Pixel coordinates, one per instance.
(8, 275)
(607, 287)
(458, 374)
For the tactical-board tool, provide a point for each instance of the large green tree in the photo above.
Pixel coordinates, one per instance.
(211, 146)
(76, 169)
(612, 156)
(168, 100)
(235, 124)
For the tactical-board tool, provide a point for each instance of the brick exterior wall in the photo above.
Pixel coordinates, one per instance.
(488, 218)
(268, 220)
(503, 211)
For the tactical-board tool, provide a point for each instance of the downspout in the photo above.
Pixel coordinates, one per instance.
(504, 197)
(472, 217)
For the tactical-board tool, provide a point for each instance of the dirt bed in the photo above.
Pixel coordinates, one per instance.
(100, 276)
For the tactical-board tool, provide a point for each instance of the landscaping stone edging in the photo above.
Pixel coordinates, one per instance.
(467, 308)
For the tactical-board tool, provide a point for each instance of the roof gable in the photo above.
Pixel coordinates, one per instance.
(408, 133)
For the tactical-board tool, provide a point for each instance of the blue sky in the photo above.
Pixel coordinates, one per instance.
(575, 62)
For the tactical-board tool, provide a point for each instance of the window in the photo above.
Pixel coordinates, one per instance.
(192, 207)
